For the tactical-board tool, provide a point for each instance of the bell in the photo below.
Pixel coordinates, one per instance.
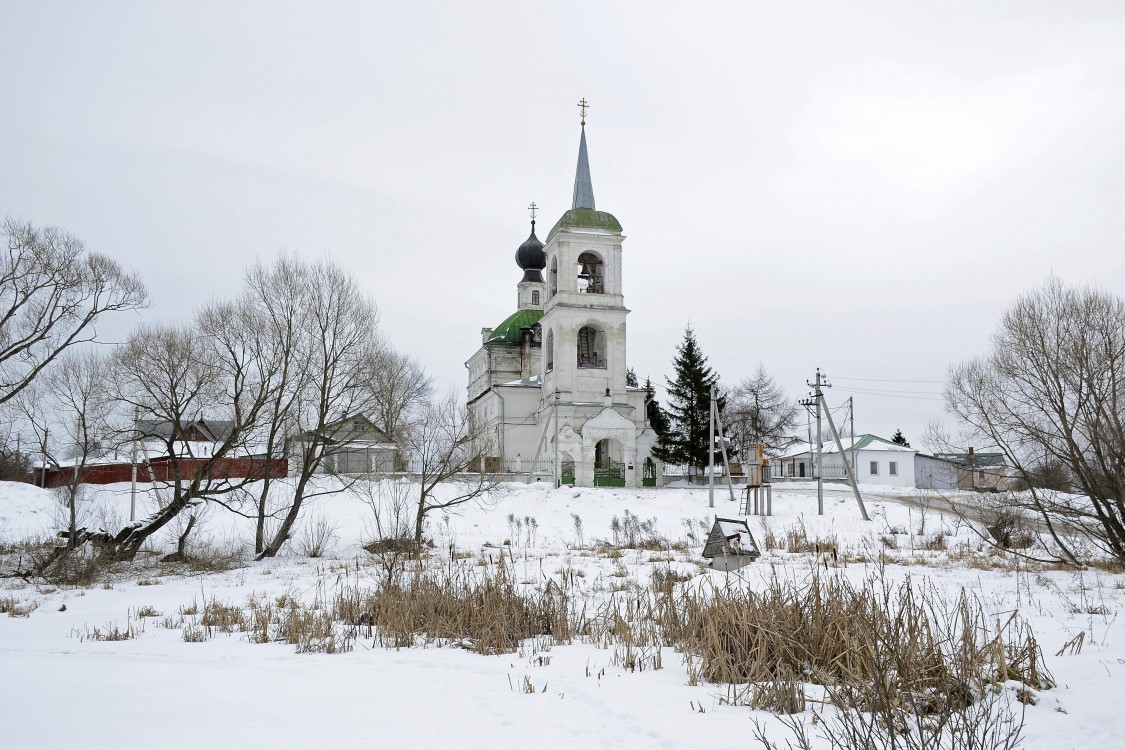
(586, 272)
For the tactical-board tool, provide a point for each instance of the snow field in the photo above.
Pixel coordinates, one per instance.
(64, 687)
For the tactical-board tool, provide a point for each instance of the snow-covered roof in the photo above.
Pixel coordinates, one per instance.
(866, 442)
(535, 381)
(730, 536)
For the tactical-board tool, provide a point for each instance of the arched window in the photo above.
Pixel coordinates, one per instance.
(553, 277)
(550, 353)
(591, 274)
(535, 297)
(591, 348)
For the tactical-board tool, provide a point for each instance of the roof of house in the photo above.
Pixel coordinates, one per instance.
(865, 442)
(979, 460)
(344, 430)
(209, 429)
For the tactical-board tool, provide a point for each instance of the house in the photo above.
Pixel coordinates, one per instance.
(986, 472)
(351, 445)
(192, 448)
(877, 461)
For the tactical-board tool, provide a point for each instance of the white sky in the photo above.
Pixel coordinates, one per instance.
(858, 188)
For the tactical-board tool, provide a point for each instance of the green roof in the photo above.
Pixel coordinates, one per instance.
(508, 332)
(587, 218)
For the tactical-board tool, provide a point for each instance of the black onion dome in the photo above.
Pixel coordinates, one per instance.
(531, 258)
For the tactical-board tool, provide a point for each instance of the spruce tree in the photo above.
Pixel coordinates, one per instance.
(631, 378)
(899, 439)
(685, 442)
(657, 418)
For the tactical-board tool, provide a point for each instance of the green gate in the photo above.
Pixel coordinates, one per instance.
(609, 473)
(566, 472)
(649, 479)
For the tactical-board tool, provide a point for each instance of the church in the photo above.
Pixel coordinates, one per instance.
(550, 381)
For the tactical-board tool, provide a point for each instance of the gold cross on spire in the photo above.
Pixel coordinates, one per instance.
(583, 105)
(533, 208)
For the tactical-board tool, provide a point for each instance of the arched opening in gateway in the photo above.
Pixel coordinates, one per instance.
(609, 464)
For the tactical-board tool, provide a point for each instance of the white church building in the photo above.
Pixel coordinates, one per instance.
(549, 381)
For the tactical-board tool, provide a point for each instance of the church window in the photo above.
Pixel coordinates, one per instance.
(591, 348)
(550, 356)
(591, 274)
(553, 277)
(535, 297)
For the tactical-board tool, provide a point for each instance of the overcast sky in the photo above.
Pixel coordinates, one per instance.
(861, 187)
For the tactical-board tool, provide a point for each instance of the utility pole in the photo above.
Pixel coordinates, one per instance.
(133, 471)
(849, 465)
(813, 402)
(711, 453)
(46, 432)
(558, 467)
(722, 445)
(851, 426)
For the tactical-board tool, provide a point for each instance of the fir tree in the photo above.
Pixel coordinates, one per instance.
(631, 378)
(899, 439)
(685, 441)
(657, 417)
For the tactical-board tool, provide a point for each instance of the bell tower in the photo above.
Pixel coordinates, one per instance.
(583, 324)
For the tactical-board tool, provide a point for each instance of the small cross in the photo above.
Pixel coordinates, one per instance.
(582, 107)
(533, 208)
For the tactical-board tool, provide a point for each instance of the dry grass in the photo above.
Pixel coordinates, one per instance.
(828, 631)
(113, 632)
(13, 607)
(484, 611)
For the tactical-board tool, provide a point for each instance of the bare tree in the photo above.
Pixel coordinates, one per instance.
(273, 295)
(336, 337)
(72, 401)
(172, 377)
(1053, 390)
(758, 411)
(52, 293)
(449, 449)
(392, 528)
(400, 386)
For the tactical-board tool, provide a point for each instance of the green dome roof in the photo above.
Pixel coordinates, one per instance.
(508, 332)
(587, 218)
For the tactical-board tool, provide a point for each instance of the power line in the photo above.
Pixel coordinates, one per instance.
(889, 380)
(885, 394)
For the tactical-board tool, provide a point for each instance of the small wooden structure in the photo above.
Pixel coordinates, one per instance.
(730, 545)
(758, 493)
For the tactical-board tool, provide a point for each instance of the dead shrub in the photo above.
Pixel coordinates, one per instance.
(630, 532)
(317, 537)
(112, 632)
(482, 610)
(312, 630)
(903, 637)
(13, 607)
(226, 618)
(1007, 527)
(664, 579)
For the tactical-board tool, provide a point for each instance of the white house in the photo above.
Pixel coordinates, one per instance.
(877, 461)
(550, 380)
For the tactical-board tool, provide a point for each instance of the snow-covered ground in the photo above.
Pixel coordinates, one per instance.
(61, 687)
